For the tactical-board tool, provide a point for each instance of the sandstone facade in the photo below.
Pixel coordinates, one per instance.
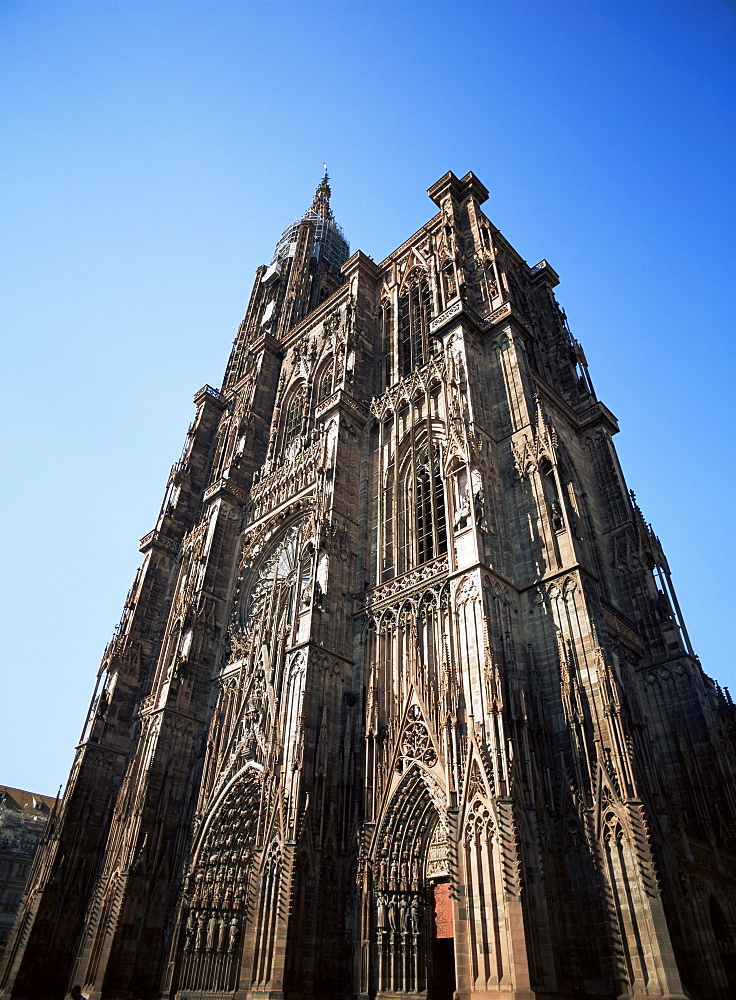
(401, 702)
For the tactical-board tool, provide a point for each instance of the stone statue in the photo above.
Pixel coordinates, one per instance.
(212, 929)
(222, 934)
(202, 931)
(403, 915)
(191, 931)
(461, 521)
(415, 914)
(381, 923)
(234, 930)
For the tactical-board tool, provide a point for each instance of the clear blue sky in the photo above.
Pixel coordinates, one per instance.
(151, 154)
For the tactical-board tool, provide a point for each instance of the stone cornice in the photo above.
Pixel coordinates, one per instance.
(208, 394)
(360, 263)
(342, 402)
(598, 413)
(595, 413)
(226, 489)
(459, 189)
(544, 272)
(461, 308)
(266, 342)
(447, 316)
(508, 311)
(155, 540)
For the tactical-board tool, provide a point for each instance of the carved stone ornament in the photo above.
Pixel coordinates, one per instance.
(416, 743)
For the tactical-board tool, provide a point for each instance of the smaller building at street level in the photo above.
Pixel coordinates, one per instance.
(401, 704)
(23, 817)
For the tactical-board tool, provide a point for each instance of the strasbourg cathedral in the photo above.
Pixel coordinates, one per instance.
(401, 703)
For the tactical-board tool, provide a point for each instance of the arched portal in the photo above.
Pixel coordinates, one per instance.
(212, 920)
(411, 937)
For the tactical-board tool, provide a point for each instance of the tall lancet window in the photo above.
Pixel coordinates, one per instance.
(440, 522)
(425, 547)
(294, 417)
(421, 513)
(386, 344)
(415, 314)
(388, 523)
(325, 383)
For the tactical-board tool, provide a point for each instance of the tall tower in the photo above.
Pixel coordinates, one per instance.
(401, 701)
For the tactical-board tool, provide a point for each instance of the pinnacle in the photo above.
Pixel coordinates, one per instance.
(321, 202)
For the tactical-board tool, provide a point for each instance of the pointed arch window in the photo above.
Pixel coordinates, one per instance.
(415, 315)
(386, 344)
(294, 417)
(388, 523)
(425, 548)
(421, 513)
(325, 383)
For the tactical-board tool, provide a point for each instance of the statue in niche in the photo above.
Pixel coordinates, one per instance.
(461, 521)
(190, 932)
(381, 922)
(663, 607)
(202, 932)
(479, 499)
(415, 914)
(403, 915)
(212, 931)
(392, 913)
(233, 934)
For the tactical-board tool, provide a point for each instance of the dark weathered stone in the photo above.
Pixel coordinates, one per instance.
(401, 701)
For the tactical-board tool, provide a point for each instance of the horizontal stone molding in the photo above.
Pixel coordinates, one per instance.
(155, 540)
(227, 489)
(342, 402)
(407, 583)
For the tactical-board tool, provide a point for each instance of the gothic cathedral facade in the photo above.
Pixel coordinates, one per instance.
(401, 703)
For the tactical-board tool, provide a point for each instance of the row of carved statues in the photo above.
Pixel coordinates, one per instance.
(398, 912)
(212, 931)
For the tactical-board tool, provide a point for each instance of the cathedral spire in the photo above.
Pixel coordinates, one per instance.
(330, 242)
(321, 202)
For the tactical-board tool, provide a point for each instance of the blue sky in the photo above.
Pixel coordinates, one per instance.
(152, 153)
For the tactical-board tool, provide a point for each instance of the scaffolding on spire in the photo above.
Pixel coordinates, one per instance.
(329, 239)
